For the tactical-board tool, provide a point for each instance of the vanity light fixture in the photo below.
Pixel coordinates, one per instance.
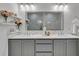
(61, 7)
(56, 7)
(22, 7)
(27, 7)
(32, 7)
(66, 7)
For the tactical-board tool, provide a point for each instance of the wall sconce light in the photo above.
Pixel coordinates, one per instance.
(22, 7)
(61, 7)
(27, 7)
(32, 7)
(56, 7)
(66, 7)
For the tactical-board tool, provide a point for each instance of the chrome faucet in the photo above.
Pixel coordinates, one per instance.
(46, 32)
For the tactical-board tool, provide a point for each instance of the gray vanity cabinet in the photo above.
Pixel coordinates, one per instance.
(30, 47)
(14, 48)
(27, 48)
(72, 47)
(44, 48)
(21, 48)
(60, 47)
(65, 47)
(77, 47)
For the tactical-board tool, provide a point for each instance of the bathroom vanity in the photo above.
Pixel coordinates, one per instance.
(42, 45)
(24, 44)
(38, 45)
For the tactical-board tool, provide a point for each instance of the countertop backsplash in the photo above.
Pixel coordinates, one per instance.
(38, 32)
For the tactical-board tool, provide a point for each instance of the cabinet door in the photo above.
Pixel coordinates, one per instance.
(77, 47)
(43, 41)
(14, 48)
(44, 47)
(44, 54)
(27, 47)
(71, 47)
(60, 47)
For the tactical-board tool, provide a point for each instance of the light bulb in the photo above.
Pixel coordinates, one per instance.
(55, 7)
(33, 7)
(61, 7)
(66, 8)
(22, 8)
(27, 7)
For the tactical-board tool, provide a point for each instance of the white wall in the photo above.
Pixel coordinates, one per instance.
(8, 6)
(68, 16)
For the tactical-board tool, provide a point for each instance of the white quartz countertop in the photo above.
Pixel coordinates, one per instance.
(55, 36)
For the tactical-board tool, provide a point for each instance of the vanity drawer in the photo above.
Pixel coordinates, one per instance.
(43, 41)
(43, 47)
(43, 54)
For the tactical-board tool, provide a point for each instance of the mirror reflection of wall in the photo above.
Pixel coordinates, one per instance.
(35, 21)
(51, 20)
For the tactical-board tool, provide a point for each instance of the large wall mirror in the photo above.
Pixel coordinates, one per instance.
(51, 20)
(36, 21)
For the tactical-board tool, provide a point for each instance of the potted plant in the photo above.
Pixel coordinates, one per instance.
(18, 22)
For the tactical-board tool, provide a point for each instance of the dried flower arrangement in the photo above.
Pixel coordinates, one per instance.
(6, 14)
(18, 22)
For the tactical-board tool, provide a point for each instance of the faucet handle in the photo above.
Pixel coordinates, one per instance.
(47, 33)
